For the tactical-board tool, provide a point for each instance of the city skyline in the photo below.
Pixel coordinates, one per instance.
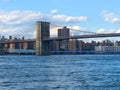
(95, 16)
(43, 43)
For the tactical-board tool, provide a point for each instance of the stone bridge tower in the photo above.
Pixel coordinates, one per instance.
(42, 47)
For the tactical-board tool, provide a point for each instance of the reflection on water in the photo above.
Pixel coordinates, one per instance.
(60, 72)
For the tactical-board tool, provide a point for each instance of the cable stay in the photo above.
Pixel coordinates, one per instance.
(73, 29)
(82, 31)
(27, 31)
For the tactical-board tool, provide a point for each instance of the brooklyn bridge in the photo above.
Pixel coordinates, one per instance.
(41, 44)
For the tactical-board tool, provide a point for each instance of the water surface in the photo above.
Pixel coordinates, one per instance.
(60, 72)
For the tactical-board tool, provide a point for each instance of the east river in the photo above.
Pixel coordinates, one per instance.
(60, 72)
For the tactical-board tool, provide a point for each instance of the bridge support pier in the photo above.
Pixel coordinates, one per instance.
(42, 47)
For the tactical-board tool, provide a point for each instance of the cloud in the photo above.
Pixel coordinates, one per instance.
(110, 17)
(76, 28)
(17, 21)
(117, 31)
(68, 19)
(19, 17)
(53, 11)
(103, 30)
(54, 31)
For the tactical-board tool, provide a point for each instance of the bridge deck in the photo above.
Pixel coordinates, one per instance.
(83, 36)
(63, 38)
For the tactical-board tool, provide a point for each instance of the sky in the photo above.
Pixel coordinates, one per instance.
(99, 16)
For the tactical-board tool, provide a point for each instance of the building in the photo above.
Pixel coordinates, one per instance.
(64, 44)
(63, 32)
(72, 45)
(54, 46)
(109, 49)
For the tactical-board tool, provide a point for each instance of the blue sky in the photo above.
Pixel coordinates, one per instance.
(99, 16)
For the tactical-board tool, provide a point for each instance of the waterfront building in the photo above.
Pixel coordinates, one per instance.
(64, 44)
(114, 48)
(72, 45)
(75, 45)
(54, 46)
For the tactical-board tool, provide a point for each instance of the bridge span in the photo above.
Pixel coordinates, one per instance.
(26, 43)
(83, 36)
(42, 42)
(62, 38)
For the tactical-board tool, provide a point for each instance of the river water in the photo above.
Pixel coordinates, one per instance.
(60, 72)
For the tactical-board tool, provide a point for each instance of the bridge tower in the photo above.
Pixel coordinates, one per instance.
(42, 47)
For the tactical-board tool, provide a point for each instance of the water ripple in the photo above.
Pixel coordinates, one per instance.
(60, 72)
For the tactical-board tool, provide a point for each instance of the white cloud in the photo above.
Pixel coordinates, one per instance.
(16, 21)
(101, 30)
(69, 19)
(53, 11)
(118, 31)
(19, 17)
(110, 17)
(76, 27)
(54, 31)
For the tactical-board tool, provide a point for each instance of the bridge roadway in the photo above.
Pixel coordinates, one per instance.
(83, 36)
(61, 38)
